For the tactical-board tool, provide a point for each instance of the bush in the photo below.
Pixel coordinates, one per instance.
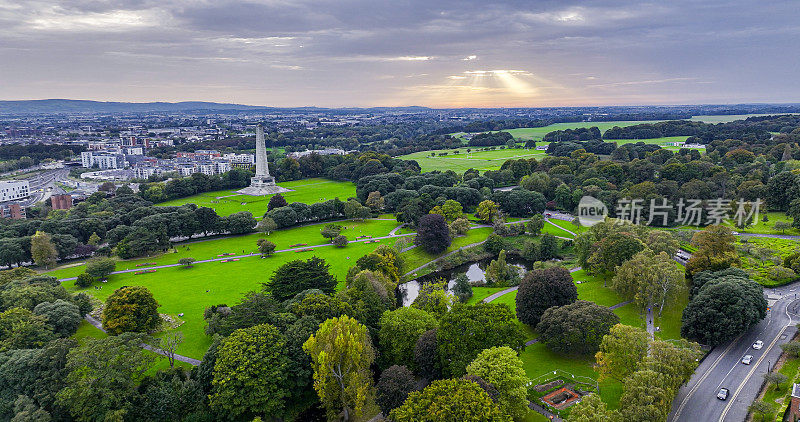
(494, 244)
(393, 387)
(131, 309)
(84, 280)
(340, 241)
(433, 234)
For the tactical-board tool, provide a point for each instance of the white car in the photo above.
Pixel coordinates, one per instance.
(747, 359)
(758, 345)
(723, 394)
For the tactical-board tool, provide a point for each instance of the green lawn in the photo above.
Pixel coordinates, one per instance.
(480, 160)
(239, 245)
(480, 293)
(191, 290)
(559, 230)
(537, 133)
(308, 191)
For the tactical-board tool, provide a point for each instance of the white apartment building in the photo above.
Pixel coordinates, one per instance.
(104, 161)
(240, 158)
(14, 190)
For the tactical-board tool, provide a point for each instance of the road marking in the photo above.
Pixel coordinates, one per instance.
(705, 375)
(737, 363)
(750, 374)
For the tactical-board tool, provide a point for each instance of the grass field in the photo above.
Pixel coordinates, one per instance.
(308, 191)
(191, 290)
(729, 118)
(239, 245)
(479, 160)
(537, 133)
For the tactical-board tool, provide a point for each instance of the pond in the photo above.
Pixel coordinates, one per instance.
(476, 272)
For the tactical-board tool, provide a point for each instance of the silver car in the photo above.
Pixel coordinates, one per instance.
(723, 394)
(747, 359)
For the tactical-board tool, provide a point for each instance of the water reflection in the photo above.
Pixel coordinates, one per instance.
(476, 272)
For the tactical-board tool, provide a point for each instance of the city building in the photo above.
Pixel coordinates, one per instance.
(61, 202)
(13, 211)
(14, 190)
(794, 408)
(102, 160)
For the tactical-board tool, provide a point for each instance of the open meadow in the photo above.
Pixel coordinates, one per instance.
(459, 160)
(308, 191)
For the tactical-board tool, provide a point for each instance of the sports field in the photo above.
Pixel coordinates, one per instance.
(308, 191)
(537, 133)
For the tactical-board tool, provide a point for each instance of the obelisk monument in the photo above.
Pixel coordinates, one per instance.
(262, 183)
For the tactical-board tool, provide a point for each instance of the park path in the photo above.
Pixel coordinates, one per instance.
(186, 359)
(155, 267)
(503, 292)
(562, 228)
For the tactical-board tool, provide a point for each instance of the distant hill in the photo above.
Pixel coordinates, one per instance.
(86, 106)
(56, 106)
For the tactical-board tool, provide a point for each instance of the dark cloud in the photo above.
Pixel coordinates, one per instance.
(348, 52)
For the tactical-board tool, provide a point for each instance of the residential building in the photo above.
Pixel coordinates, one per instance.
(102, 161)
(13, 211)
(61, 202)
(794, 407)
(14, 190)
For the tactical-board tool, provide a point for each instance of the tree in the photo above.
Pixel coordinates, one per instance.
(207, 219)
(500, 273)
(267, 226)
(353, 210)
(591, 408)
(187, 262)
(621, 351)
(239, 223)
(94, 239)
(791, 348)
(265, 247)
(535, 225)
(341, 354)
(494, 243)
(449, 400)
(500, 367)
(674, 360)
(433, 298)
(250, 373)
(775, 378)
(433, 235)
(613, 250)
(103, 375)
(782, 226)
(399, 332)
(715, 250)
(452, 210)
(100, 268)
(394, 385)
(650, 280)
(548, 248)
(170, 343)
(340, 241)
(487, 211)
(460, 226)
(467, 330)
(723, 308)
(131, 309)
(426, 355)
(22, 329)
(645, 396)
(330, 231)
(43, 251)
(462, 289)
(63, 316)
(760, 407)
(661, 241)
(84, 280)
(577, 328)
(276, 201)
(375, 201)
(295, 276)
(542, 289)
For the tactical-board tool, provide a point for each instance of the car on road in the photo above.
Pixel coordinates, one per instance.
(747, 359)
(723, 394)
(758, 345)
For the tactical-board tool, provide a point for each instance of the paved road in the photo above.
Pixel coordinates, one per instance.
(696, 401)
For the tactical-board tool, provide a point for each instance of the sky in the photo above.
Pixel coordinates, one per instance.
(436, 53)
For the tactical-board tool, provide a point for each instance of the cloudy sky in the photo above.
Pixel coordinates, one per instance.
(439, 53)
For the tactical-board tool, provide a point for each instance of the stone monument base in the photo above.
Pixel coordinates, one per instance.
(262, 185)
